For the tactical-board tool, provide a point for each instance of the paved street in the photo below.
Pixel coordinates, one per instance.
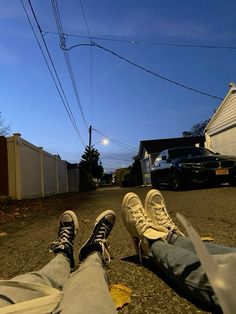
(24, 248)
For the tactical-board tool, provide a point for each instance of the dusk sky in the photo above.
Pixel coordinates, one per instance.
(121, 101)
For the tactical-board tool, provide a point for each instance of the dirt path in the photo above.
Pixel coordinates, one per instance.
(24, 248)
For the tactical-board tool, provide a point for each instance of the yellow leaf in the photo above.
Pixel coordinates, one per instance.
(2, 233)
(121, 295)
(207, 239)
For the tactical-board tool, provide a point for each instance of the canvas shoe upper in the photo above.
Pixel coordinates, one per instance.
(98, 241)
(139, 225)
(156, 209)
(67, 232)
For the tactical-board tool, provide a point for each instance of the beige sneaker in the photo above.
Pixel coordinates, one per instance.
(155, 208)
(139, 225)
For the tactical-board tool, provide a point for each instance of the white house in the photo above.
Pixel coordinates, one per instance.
(220, 132)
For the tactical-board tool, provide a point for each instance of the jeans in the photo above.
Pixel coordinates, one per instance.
(180, 262)
(85, 290)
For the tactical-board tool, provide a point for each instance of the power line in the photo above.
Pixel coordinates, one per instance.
(148, 71)
(86, 22)
(132, 149)
(56, 82)
(115, 158)
(91, 61)
(143, 42)
(67, 57)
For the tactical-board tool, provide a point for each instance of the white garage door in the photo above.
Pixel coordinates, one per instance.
(225, 142)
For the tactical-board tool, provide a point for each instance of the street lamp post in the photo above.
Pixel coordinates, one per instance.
(104, 141)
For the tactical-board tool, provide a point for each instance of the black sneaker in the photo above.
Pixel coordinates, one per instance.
(98, 242)
(68, 230)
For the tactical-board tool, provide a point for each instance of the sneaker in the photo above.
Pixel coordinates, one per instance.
(68, 230)
(98, 242)
(156, 209)
(139, 225)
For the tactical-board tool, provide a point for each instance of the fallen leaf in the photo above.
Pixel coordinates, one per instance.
(2, 233)
(207, 239)
(86, 220)
(121, 295)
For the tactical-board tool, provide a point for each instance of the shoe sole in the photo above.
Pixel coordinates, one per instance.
(75, 220)
(147, 200)
(125, 218)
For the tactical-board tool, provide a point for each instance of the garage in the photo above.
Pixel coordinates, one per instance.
(225, 142)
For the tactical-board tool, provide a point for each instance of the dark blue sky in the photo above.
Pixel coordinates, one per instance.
(118, 99)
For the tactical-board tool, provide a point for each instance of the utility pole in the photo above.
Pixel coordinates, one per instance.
(90, 147)
(90, 135)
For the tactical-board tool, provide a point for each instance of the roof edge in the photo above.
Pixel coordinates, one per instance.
(219, 109)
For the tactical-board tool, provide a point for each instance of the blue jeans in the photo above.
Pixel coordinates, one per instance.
(181, 264)
(85, 291)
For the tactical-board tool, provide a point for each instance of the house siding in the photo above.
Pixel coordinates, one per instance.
(226, 117)
(221, 130)
(225, 142)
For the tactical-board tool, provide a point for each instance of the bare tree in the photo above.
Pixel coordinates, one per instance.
(4, 128)
(197, 129)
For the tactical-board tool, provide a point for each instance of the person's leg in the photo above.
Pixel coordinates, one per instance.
(187, 244)
(156, 210)
(86, 291)
(55, 273)
(184, 268)
(179, 264)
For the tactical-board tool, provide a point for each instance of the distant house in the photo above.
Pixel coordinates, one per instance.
(220, 132)
(149, 150)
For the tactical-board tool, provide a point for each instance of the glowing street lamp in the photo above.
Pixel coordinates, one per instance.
(104, 141)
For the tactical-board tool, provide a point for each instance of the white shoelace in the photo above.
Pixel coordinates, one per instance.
(64, 236)
(141, 220)
(163, 217)
(101, 238)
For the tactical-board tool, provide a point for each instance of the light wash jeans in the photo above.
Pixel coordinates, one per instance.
(85, 290)
(181, 264)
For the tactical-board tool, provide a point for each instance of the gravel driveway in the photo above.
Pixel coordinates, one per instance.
(30, 225)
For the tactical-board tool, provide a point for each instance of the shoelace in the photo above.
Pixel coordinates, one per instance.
(101, 238)
(64, 237)
(164, 218)
(141, 220)
(140, 251)
(105, 250)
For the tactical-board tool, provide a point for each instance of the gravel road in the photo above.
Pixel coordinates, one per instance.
(23, 248)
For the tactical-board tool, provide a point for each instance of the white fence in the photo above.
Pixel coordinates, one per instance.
(33, 172)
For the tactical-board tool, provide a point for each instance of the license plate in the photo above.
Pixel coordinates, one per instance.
(220, 172)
